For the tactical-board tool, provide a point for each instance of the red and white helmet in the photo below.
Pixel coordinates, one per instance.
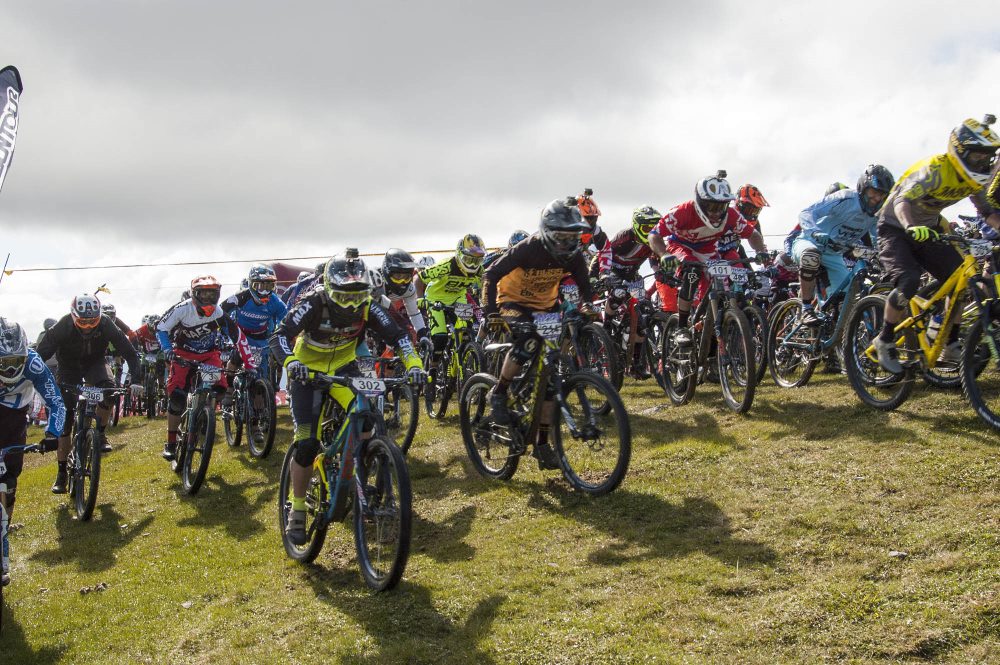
(86, 312)
(711, 199)
(205, 291)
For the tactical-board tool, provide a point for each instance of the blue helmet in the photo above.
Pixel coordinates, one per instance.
(877, 178)
(516, 237)
(261, 282)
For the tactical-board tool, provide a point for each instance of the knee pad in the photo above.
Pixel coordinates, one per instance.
(525, 347)
(898, 299)
(177, 403)
(690, 276)
(305, 452)
(810, 262)
(440, 341)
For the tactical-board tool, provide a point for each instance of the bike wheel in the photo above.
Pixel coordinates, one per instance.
(317, 504)
(874, 386)
(116, 410)
(199, 450)
(788, 347)
(401, 411)
(597, 351)
(232, 423)
(262, 420)
(87, 475)
(471, 360)
(489, 445)
(737, 374)
(758, 331)
(594, 449)
(653, 345)
(437, 393)
(382, 513)
(980, 377)
(949, 375)
(680, 365)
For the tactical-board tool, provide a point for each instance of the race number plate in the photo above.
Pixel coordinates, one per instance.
(636, 289)
(92, 394)
(369, 387)
(570, 293)
(739, 275)
(721, 269)
(463, 310)
(548, 325)
(210, 375)
(367, 367)
(980, 248)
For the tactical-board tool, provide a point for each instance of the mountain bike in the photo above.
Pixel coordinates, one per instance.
(196, 432)
(252, 408)
(593, 443)
(625, 297)
(5, 518)
(400, 405)
(919, 348)
(719, 328)
(83, 465)
(794, 349)
(366, 476)
(152, 388)
(461, 358)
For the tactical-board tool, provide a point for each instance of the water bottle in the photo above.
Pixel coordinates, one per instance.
(933, 326)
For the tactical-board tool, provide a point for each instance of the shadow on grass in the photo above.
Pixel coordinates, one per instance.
(816, 422)
(645, 526)
(14, 646)
(431, 481)
(444, 540)
(221, 504)
(92, 544)
(675, 426)
(404, 624)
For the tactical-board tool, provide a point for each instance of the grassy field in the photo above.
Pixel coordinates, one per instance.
(733, 539)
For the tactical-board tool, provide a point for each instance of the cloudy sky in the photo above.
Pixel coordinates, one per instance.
(185, 131)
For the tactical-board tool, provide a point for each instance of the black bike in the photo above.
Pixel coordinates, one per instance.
(461, 358)
(84, 463)
(252, 409)
(196, 433)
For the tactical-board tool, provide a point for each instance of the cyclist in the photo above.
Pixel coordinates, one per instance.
(191, 331)
(80, 342)
(749, 202)
(526, 280)
(22, 373)
(321, 333)
(690, 232)
(449, 282)
(911, 216)
(114, 356)
(305, 281)
(595, 240)
(51, 363)
(393, 288)
(515, 237)
(425, 262)
(842, 218)
(627, 252)
(145, 340)
(257, 311)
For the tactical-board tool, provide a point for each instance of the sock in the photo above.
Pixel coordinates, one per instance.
(298, 503)
(682, 317)
(171, 436)
(543, 435)
(888, 333)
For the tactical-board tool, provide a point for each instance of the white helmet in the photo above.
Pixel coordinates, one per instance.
(711, 200)
(13, 351)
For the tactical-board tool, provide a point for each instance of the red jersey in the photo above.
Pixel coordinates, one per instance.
(683, 226)
(146, 339)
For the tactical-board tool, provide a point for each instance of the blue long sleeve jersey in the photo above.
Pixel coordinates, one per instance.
(257, 321)
(839, 216)
(36, 377)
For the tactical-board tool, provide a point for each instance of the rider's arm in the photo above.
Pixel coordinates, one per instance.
(166, 324)
(790, 238)
(235, 333)
(298, 318)
(500, 268)
(43, 381)
(413, 311)
(578, 269)
(49, 342)
(663, 228)
(277, 309)
(382, 325)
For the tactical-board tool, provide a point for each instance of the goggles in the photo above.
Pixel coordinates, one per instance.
(401, 278)
(646, 227)
(86, 323)
(349, 299)
(715, 208)
(978, 161)
(11, 366)
(263, 285)
(749, 210)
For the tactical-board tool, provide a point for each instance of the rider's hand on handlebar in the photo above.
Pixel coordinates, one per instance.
(416, 376)
(48, 444)
(587, 310)
(297, 371)
(922, 233)
(763, 258)
(668, 263)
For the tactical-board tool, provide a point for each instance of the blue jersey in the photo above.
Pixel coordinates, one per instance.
(839, 216)
(257, 321)
(36, 377)
(299, 289)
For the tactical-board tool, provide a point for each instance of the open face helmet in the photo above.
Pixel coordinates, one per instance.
(397, 271)
(346, 284)
(712, 195)
(644, 219)
(873, 187)
(13, 351)
(749, 202)
(205, 292)
(86, 312)
(972, 148)
(561, 228)
(261, 282)
(516, 237)
(470, 253)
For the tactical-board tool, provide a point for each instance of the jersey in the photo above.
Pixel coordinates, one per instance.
(528, 276)
(77, 352)
(992, 194)
(627, 253)
(839, 216)
(299, 289)
(184, 329)
(257, 321)
(682, 226)
(407, 300)
(927, 188)
(145, 337)
(36, 377)
(326, 338)
(447, 283)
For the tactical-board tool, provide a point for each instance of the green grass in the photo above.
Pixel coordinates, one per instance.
(733, 539)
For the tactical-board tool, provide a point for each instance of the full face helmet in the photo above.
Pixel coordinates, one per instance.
(346, 283)
(205, 292)
(972, 147)
(873, 187)
(397, 271)
(86, 313)
(644, 219)
(516, 237)
(13, 351)
(712, 195)
(470, 253)
(560, 229)
(261, 282)
(749, 202)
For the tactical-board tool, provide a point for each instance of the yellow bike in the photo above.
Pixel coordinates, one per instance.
(920, 344)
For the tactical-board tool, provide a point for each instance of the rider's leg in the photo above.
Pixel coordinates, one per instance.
(809, 259)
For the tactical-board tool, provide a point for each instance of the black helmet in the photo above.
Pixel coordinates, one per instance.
(345, 282)
(516, 237)
(877, 178)
(48, 323)
(397, 271)
(560, 229)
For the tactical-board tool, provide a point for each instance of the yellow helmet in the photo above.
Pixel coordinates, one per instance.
(972, 147)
